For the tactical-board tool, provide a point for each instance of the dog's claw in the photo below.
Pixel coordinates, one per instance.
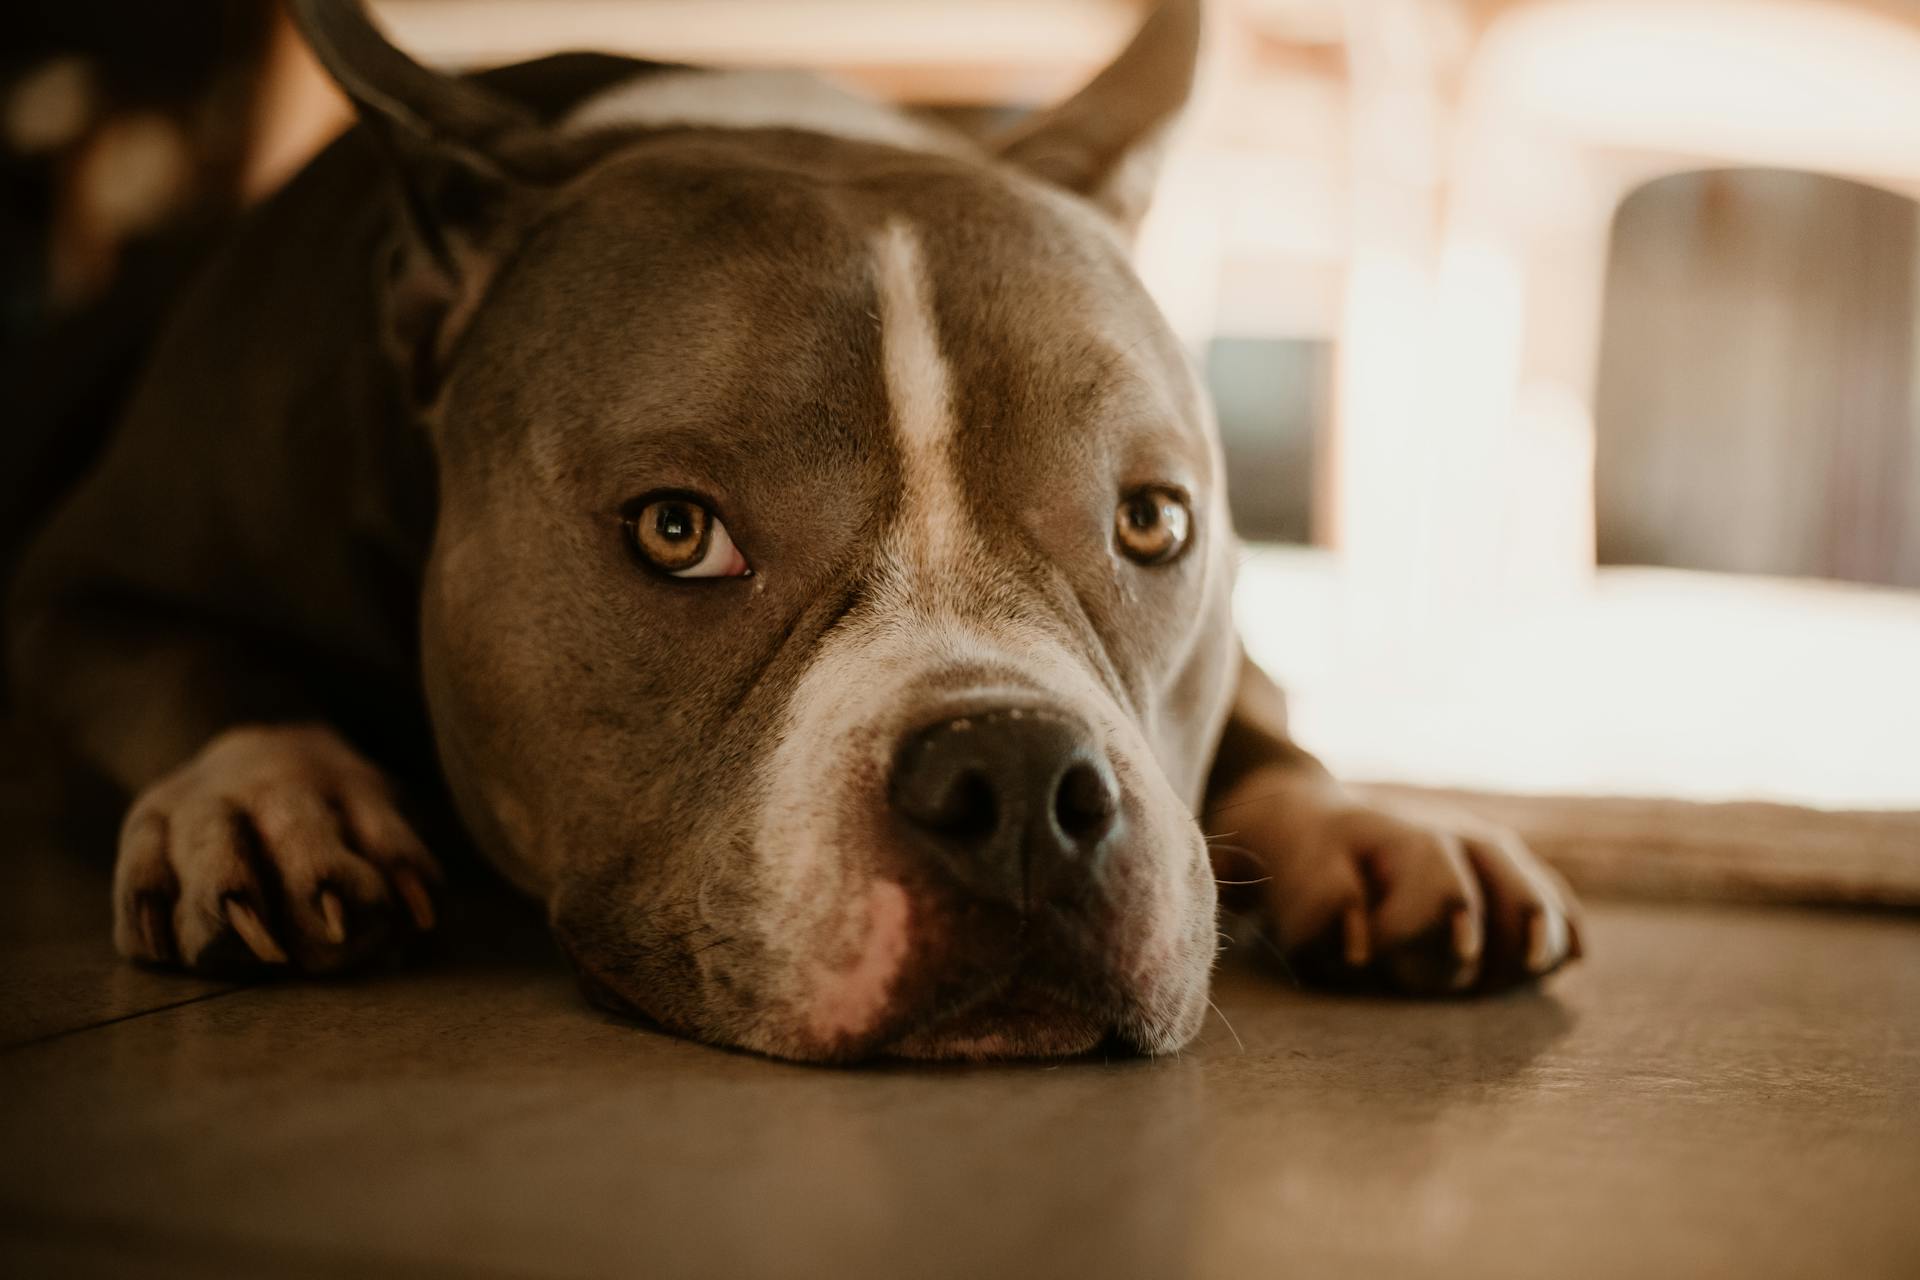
(1466, 936)
(253, 932)
(414, 894)
(1353, 928)
(155, 930)
(1539, 942)
(333, 916)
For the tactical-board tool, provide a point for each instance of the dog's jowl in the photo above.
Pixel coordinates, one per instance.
(789, 532)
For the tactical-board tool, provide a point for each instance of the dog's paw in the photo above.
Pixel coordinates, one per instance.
(1422, 904)
(275, 846)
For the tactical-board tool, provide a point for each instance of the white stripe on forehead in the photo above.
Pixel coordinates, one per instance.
(920, 399)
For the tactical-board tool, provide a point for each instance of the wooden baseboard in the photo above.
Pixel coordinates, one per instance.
(1676, 849)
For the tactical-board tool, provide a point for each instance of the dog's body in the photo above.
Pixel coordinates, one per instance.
(808, 539)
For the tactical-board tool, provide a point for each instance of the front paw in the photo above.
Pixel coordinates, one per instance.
(276, 846)
(1424, 904)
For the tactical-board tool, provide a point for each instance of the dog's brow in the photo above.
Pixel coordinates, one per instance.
(640, 456)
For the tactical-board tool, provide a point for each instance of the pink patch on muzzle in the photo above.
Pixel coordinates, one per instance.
(848, 1002)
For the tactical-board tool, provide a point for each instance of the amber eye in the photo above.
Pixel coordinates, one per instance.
(682, 537)
(1153, 524)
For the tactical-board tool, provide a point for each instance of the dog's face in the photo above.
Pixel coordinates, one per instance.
(828, 612)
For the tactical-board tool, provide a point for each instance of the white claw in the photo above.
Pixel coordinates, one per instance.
(1546, 941)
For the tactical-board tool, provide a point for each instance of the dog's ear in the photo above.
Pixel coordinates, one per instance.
(468, 168)
(1105, 142)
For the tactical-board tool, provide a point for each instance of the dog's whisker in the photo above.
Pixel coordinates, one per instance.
(1279, 956)
(1241, 804)
(1228, 1025)
(1244, 852)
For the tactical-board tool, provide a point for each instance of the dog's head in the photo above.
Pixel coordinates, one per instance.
(828, 608)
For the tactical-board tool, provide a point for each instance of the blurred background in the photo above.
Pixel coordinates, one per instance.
(1566, 350)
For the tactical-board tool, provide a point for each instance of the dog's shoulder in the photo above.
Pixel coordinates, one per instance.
(555, 86)
(654, 96)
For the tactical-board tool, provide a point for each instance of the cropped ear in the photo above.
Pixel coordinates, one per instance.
(1105, 142)
(467, 165)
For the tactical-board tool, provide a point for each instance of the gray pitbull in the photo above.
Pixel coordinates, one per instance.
(792, 530)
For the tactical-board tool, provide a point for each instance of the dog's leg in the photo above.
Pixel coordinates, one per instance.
(1421, 901)
(256, 837)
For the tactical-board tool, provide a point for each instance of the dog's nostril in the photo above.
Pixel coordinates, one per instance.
(1085, 804)
(964, 810)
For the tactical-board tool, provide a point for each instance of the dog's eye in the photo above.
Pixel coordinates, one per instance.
(1153, 525)
(682, 538)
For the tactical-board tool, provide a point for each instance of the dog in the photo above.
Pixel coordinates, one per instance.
(789, 532)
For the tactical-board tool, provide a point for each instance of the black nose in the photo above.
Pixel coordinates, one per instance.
(1017, 805)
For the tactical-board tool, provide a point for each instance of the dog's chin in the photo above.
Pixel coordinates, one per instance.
(1007, 1028)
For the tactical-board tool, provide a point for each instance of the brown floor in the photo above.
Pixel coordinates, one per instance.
(1715, 1093)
